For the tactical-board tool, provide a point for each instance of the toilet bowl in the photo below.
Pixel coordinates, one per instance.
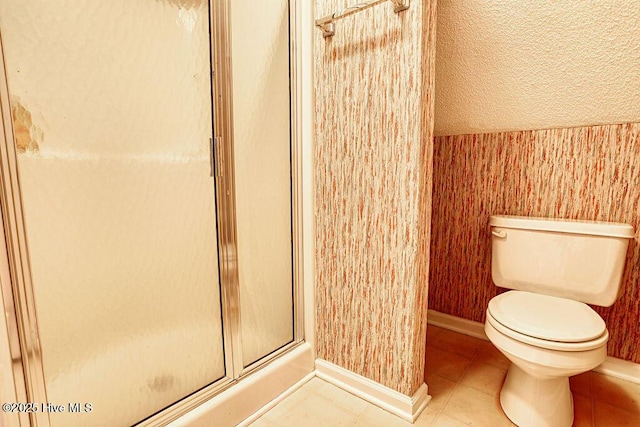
(544, 325)
(536, 391)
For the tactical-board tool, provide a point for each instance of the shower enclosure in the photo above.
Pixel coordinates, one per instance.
(150, 201)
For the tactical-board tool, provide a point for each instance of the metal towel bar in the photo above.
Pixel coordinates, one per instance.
(327, 26)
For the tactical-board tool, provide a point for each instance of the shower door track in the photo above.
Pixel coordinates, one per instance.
(15, 271)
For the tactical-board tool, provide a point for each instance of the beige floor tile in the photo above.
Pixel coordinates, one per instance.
(489, 354)
(581, 384)
(446, 421)
(426, 418)
(340, 398)
(295, 400)
(616, 392)
(464, 376)
(440, 389)
(306, 389)
(582, 411)
(432, 333)
(314, 411)
(606, 415)
(445, 363)
(483, 377)
(262, 422)
(307, 399)
(475, 408)
(313, 385)
(454, 342)
(376, 417)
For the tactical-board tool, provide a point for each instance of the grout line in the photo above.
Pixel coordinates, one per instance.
(446, 402)
(440, 411)
(458, 383)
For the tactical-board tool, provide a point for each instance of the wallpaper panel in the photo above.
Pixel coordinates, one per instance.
(588, 173)
(373, 171)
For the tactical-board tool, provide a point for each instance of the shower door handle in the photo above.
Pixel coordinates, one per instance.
(211, 157)
(215, 156)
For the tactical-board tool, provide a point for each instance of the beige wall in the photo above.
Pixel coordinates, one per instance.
(534, 64)
(373, 190)
(502, 73)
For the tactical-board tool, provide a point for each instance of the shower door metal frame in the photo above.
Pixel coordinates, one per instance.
(15, 271)
(223, 167)
(225, 184)
(17, 289)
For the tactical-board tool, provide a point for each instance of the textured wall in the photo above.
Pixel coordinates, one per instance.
(536, 64)
(373, 182)
(583, 173)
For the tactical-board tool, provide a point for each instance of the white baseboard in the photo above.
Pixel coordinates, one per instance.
(619, 368)
(388, 399)
(456, 324)
(613, 367)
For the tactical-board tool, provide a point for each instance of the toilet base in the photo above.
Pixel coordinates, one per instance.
(530, 401)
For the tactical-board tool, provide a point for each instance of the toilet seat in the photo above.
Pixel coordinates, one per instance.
(547, 322)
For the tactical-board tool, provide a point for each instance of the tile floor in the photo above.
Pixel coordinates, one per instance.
(464, 375)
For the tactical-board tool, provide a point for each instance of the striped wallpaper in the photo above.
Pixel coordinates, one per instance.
(590, 172)
(374, 81)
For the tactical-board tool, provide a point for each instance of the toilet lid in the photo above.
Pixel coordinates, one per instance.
(546, 317)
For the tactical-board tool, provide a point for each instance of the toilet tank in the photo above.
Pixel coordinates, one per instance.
(579, 260)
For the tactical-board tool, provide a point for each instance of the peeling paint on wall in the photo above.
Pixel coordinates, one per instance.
(27, 136)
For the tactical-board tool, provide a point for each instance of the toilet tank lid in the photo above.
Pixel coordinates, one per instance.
(576, 226)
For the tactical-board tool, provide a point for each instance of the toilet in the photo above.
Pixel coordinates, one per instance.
(543, 325)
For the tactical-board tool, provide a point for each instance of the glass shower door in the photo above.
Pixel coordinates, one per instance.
(111, 103)
(263, 174)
